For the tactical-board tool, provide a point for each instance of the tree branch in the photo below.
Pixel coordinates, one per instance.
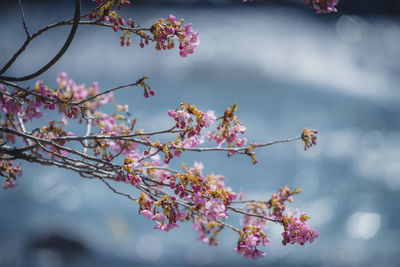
(109, 91)
(23, 19)
(54, 59)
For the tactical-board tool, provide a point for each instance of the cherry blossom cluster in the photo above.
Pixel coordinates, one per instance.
(50, 132)
(166, 30)
(210, 198)
(10, 172)
(163, 31)
(182, 116)
(113, 150)
(309, 137)
(253, 232)
(228, 130)
(257, 214)
(104, 12)
(164, 212)
(17, 102)
(29, 105)
(168, 196)
(277, 202)
(113, 125)
(191, 120)
(250, 237)
(9, 103)
(127, 173)
(297, 230)
(323, 6)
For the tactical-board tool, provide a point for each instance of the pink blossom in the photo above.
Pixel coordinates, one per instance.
(325, 6)
(62, 80)
(31, 112)
(146, 213)
(215, 209)
(248, 247)
(297, 230)
(94, 88)
(242, 129)
(198, 166)
(156, 159)
(9, 184)
(172, 18)
(106, 98)
(189, 42)
(241, 142)
(164, 227)
(181, 215)
(208, 118)
(192, 142)
(8, 104)
(171, 113)
(181, 116)
(209, 136)
(265, 240)
(158, 217)
(132, 179)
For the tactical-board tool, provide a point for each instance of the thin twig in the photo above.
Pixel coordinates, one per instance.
(254, 215)
(248, 201)
(53, 60)
(88, 131)
(241, 149)
(116, 191)
(109, 91)
(50, 142)
(22, 126)
(23, 19)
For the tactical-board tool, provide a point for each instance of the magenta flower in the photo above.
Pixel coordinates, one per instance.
(248, 246)
(324, 6)
(164, 227)
(62, 80)
(215, 209)
(146, 213)
(172, 18)
(208, 118)
(297, 230)
(9, 184)
(198, 166)
(158, 217)
(189, 41)
(192, 142)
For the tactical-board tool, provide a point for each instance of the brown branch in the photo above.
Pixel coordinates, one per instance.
(23, 19)
(242, 149)
(109, 91)
(54, 59)
(119, 137)
(51, 142)
(116, 191)
(30, 92)
(121, 28)
(58, 24)
(248, 201)
(254, 215)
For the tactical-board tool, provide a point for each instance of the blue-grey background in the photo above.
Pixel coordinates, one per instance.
(287, 69)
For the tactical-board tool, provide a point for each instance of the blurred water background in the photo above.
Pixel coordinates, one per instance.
(287, 68)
